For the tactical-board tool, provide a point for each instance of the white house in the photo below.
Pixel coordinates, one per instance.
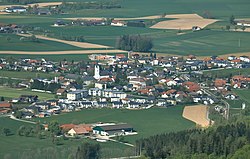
(245, 58)
(15, 9)
(74, 95)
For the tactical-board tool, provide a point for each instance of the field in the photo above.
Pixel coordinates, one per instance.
(145, 122)
(27, 75)
(15, 93)
(227, 72)
(244, 95)
(197, 114)
(183, 22)
(16, 44)
(15, 146)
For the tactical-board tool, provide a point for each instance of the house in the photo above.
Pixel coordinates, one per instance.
(59, 23)
(118, 23)
(43, 11)
(86, 104)
(245, 58)
(95, 92)
(66, 127)
(191, 86)
(138, 83)
(82, 129)
(196, 28)
(76, 95)
(243, 23)
(117, 105)
(60, 91)
(15, 9)
(220, 83)
(113, 130)
(102, 104)
(5, 107)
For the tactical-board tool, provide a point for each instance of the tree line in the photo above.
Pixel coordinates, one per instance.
(19, 1)
(134, 43)
(216, 142)
(45, 86)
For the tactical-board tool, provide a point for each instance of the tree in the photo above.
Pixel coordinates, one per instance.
(54, 128)
(88, 151)
(243, 28)
(232, 20)
(228, 27)
(8, 38)
(6, 131)
(2, 98)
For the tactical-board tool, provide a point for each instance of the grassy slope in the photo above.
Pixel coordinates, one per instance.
(15, 93)
(27, 75)
(227, 72)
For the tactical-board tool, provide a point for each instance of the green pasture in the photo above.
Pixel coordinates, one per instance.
(7, 92)
(145, 122)
(15, 44)
(224, 73)
(15, 146)
(27, 74)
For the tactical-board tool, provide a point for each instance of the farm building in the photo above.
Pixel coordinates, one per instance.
(243, 23)
(82, 129)
(109, 130)
(5, 107)
(15, 9)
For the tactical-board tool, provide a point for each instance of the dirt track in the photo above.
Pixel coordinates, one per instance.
(100, 18)
(63, 52)
(197, 114)
(184, 22)
(73, 43)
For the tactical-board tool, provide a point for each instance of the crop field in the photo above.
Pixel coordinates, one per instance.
(15, 93)
(27, 75)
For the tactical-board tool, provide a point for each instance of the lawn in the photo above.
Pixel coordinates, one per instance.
(27, 74)
(145, 122)
(15, 93)
(244, 95)
(15, 44)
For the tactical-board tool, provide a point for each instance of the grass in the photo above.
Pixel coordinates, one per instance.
(18, 146)
(202, 43)
(228, 72)
(27, 74)
(145, 122)
(15, 93)
(15, 44)
(244, 95)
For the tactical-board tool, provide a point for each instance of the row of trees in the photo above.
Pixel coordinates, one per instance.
(89, 5)
(45, 86)
(217, 142)
(19, 1)
(134, 43)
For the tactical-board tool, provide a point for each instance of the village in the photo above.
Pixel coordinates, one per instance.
(122, 81)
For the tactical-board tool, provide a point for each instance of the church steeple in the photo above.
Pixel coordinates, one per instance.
(97, 72)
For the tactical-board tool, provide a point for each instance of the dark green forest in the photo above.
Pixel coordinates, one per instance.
(224, 140)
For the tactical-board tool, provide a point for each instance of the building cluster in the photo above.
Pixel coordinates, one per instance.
(126, 82)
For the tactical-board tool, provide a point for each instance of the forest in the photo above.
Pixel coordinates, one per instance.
(134, 43)
(230, 140)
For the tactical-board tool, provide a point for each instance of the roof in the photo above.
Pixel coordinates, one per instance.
(115, 127)
(82, 129)
(5, 105)
(66, 127)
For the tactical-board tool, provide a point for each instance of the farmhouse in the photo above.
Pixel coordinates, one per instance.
(15, 9)
(117, 23)
(110, 130)
(243, 23)
(82, 129)
(5, 107)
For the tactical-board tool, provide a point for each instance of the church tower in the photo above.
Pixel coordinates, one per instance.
(97, 72)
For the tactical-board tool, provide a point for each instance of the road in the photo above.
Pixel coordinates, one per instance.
(227, 105)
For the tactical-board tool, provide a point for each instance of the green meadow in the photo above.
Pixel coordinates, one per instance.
(10, 93)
